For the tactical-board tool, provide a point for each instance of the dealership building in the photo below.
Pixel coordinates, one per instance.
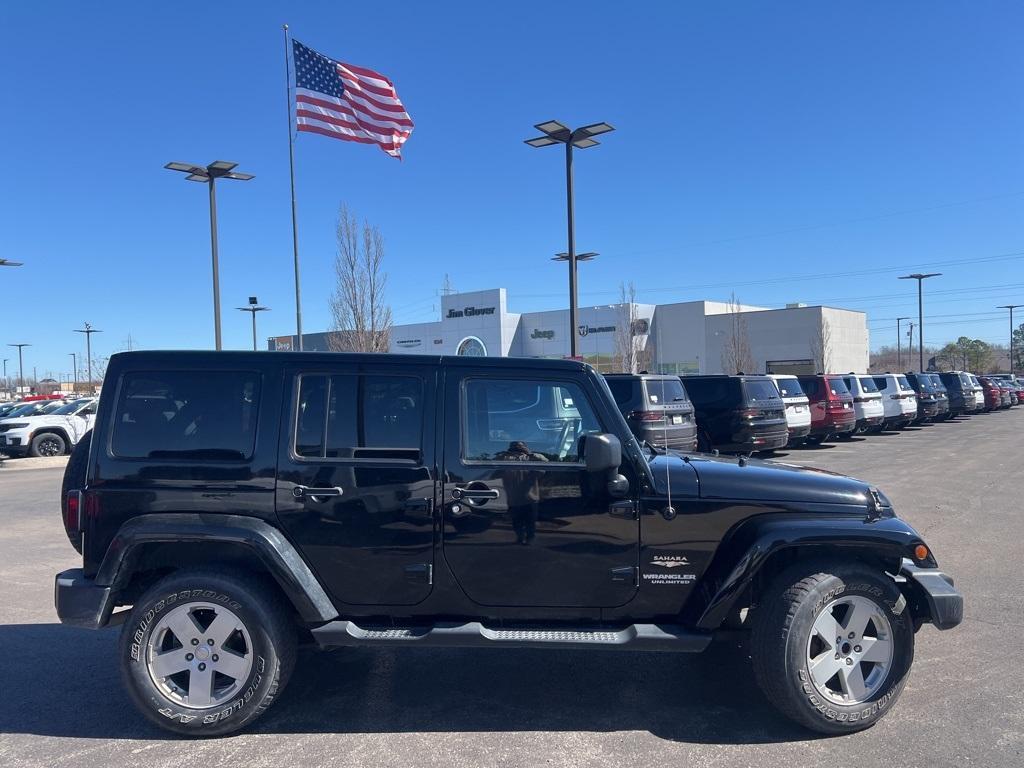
(681, 338)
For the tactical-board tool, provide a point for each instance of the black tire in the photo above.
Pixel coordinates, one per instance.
(48, 444)
(74, 478)
(266, 617)
(781, 640)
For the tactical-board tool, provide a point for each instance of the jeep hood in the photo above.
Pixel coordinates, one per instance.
(719, 477)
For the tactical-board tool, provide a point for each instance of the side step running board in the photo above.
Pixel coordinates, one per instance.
(639, 637)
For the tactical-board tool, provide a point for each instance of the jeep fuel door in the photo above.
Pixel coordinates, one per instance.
(355, 488)
(525, 524)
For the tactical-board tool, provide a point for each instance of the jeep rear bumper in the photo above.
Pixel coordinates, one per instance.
(944, 604)
(81, 602)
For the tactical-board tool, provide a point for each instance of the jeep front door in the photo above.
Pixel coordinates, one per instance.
(524, 523)
(355, 484)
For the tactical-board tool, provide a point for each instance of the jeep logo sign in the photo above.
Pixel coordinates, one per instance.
(539, 334)
(470, 312)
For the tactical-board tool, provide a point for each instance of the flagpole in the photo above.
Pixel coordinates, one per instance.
(291, 170)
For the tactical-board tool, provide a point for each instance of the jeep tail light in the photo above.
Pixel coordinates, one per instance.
(73, 511)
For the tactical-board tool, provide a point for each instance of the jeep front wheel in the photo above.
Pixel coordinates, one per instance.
(833, 649)
(205, 652)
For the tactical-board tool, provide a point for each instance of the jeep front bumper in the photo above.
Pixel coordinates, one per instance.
(80, 601)
(944, 604)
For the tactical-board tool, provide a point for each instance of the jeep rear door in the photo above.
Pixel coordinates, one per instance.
(355, 485)
(525, 525)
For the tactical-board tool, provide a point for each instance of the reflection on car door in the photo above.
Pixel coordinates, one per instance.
(524, 523)
(356, 473)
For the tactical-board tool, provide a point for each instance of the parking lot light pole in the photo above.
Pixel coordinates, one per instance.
(1010, 307)
(899, 353)
(21, 364)
(209, 174)
(579, 138)
(573, 288)
(5, 374)
(920, 314)
(88, 330)
(253, 308)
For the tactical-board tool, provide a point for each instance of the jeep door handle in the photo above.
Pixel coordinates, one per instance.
(474, 495)
(315, 494)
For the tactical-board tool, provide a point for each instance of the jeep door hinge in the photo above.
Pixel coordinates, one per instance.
(624, 509)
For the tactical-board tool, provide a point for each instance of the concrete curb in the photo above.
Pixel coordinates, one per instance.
(40, 462)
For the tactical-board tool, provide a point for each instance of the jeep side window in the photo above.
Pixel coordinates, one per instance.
(546, 426)
(186, 414)
(359, 417)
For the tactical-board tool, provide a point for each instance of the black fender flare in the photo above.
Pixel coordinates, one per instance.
(759, 538)
(266, 542)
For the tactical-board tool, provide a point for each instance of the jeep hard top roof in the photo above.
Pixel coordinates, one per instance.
(264, 357)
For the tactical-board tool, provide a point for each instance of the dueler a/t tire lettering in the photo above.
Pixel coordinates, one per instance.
(255, 600)
(779, 641)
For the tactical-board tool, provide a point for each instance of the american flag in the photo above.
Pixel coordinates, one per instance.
(347, 102)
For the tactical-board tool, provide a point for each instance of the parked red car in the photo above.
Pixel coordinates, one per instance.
(831, 403)
(993, 394)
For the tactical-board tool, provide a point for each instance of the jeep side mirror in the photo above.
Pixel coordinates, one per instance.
(603, 455)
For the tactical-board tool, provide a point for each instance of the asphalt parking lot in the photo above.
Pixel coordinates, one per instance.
(958, 483)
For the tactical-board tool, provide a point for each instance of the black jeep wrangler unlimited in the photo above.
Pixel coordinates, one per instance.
(229, 506)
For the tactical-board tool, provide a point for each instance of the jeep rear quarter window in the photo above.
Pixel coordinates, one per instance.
(359, 417)
(186, 414)
(523, 420)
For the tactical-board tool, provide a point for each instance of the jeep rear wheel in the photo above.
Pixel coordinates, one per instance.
(205, 652)
(47, 444)
(833, 649)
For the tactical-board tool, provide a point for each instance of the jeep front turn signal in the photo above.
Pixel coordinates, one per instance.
(921, 552)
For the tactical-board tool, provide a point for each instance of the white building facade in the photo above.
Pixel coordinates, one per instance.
(680, 338)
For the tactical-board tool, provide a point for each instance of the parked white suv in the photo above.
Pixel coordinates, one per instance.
(798, 409)
(979, 392)
(898, 399)
(867, 402)
(51, 434)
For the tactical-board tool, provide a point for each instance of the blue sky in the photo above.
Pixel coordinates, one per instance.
(757, 144)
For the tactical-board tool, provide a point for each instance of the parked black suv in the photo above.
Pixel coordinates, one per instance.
(656, 408)
(228, 504)
(737, 414)
(960, 390)
(927, 398)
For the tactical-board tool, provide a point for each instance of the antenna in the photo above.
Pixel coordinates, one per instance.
(447, 289)
(668, 476)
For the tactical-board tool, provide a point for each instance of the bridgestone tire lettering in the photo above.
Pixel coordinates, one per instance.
(256, 601)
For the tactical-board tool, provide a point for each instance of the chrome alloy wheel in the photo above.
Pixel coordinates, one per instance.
(850, 650)
(199, 655)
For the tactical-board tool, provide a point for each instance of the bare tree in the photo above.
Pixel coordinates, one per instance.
(361, 318)
(821, 346)
(627, 344)
(736, 354)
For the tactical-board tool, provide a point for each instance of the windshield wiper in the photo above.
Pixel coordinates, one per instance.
(654, 449)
